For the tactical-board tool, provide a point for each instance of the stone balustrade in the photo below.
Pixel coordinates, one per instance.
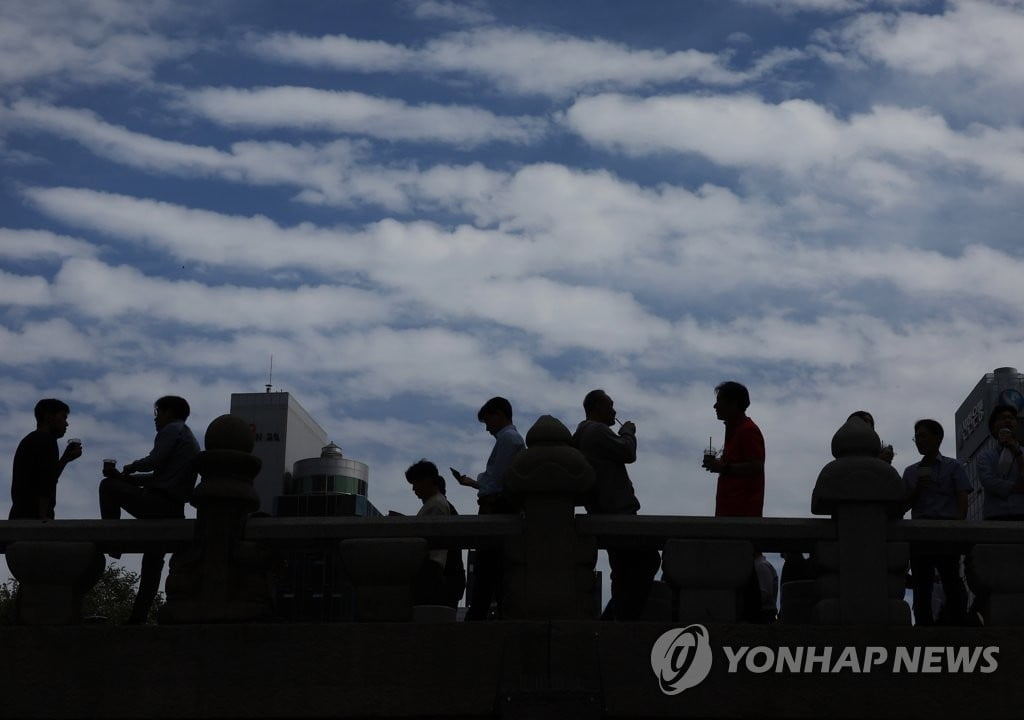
(219, 566)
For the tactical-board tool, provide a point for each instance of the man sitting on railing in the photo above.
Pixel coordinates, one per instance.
(156, 486)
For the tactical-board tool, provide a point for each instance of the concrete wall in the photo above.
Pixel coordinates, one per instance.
(470, 670)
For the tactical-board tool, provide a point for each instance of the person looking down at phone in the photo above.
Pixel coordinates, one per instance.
(496, 416)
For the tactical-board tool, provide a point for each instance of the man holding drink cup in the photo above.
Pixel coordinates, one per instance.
(38, 463)
(156, 486)
(1001, 467)
(740, 469)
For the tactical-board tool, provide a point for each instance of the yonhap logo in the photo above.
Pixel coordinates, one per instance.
(681, 658)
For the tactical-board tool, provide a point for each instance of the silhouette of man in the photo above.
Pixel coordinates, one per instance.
(156, 486)
(937, 488)
(740, 476)
(741, 468)
(442, 578)
(1001, 474)
(632, 571)
(1001, 467)
(38, 463)
(488, 566)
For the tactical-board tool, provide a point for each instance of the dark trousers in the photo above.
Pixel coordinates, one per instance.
(633, 574)
(488, 567)
(922, 568)
(146, 504)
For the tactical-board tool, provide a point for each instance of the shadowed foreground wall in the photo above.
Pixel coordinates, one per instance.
(508, 669)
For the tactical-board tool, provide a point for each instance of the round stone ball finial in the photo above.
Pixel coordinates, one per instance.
(856, 439)
(548, 430)
(229, 432)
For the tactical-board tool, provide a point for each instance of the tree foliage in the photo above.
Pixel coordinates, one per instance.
(111, 598)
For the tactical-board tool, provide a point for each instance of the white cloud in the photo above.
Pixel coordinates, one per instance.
(978, 37)
(98, 42)
(464, 12)
(50, 341)
(792, 136)
(41, 244)
(23, 291)
(100, 291)
(360, 114)
(523, 61)
(332, 173)
(829, 6)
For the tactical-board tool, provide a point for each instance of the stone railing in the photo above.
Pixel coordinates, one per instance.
(220, 562)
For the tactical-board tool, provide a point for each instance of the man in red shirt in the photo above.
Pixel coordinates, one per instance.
(740, 478)
(741, 467)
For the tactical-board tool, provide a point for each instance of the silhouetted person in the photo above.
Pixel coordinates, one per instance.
(488, 567)
(768, 585)
(937, 488)
(740, 469)
(740, 475)
(38, 463)
(1001, 467)
(442, 578)
(632, 571)
(887, 453)
(153, 487)
(1001, 474)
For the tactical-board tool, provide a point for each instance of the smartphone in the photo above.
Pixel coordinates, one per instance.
(455, 473)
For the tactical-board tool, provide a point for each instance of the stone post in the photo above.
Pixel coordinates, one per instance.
(222, 577)
(53, 578)
(997, 569)
(707, 575)
(861, 576)
(549, 571)
(382, 572)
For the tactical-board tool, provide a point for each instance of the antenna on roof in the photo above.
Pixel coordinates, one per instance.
(270, 378)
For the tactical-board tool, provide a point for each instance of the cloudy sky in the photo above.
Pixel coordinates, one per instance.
(414, 206)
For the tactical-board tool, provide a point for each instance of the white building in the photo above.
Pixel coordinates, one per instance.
(285, 434)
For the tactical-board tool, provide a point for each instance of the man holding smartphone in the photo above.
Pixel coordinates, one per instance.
(496, 415)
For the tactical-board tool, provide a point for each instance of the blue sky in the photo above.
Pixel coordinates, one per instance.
(414, 206)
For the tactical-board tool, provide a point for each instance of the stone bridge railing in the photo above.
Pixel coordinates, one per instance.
(705, 559)
(220, 560)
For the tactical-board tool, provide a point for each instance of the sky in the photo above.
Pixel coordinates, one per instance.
(414, 206)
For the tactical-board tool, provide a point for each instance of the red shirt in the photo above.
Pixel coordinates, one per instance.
(741, 495)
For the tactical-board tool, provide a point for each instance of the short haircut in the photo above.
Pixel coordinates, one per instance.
(734, 393)
(593, 399)
(495, 405)
(423, 469)
(932, 426)
(999, 410)
(50, 406)
(176, 406)
(863, 415)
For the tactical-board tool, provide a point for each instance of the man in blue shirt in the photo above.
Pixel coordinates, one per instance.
(496, 415)
(1001, 467)
(156, 486)
(937, 488)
